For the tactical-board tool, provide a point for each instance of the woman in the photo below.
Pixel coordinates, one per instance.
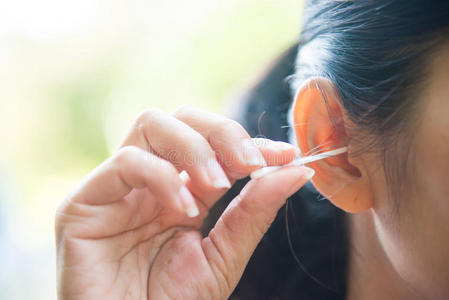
(370, 75)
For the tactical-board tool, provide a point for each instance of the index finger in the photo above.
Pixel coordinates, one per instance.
(236, 151)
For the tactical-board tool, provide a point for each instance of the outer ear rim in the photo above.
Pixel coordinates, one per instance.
(354, 197)
(326, 92)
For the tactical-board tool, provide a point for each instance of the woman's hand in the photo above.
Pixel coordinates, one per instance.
(129, 230)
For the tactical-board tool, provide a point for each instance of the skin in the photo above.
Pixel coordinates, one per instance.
(398, 246)
(124, 233)
(414, 243)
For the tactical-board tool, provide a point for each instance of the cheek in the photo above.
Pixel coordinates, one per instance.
(431, 173)
(415, 238)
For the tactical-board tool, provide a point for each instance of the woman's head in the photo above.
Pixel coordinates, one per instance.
(375, 75)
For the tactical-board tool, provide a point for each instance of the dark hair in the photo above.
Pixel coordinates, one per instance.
(377, 53)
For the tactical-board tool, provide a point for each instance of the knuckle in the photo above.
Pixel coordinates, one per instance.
(183, 110)
(126, 155)
(231, 124)
(162, 167)
(194, 144)
(59, 220)
(199, 145)
(147, 116)
(227, 125)
(66, 214)
(61, 223)
(136, 158)
(166, 168)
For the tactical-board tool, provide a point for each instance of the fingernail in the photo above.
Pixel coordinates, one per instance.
(188, 202)
(264, 171)
(252, 155)
(192, 212)
(216, 174)
(309, 173)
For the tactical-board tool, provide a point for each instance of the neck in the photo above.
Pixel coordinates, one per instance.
(370, 273)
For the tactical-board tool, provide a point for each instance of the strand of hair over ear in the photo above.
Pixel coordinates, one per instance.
(296, 258)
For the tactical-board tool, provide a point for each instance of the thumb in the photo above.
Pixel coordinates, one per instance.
(234, 238)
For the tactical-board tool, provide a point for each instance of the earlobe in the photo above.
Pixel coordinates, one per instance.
(319, 125)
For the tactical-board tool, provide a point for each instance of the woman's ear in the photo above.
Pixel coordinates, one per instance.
(320, 125)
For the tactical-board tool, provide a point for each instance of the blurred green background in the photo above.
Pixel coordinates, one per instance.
(73, 76)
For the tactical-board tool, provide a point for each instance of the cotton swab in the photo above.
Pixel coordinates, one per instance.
(298, 162)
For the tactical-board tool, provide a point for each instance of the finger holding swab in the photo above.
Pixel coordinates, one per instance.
(298, 162)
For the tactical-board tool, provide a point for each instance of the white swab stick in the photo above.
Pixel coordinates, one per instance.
(298, 162)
